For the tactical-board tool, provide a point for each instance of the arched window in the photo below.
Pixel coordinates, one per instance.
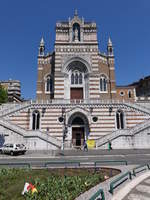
(76, 78)
(120, 119)
(80, 78)
(72, 78)
(35, 120)
(48, 84)
(103, 84)
(76, 32)
(129, 94)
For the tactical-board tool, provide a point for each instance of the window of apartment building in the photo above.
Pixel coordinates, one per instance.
(35, 120)
(103, 83)
(120, 119)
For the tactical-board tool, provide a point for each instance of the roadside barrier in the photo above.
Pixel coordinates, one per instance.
(110, 161)
(66, 163)
(99, 194)
(16, 164)
(119, 180)
(140, 168)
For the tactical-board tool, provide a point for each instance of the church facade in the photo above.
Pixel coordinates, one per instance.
(77, 98)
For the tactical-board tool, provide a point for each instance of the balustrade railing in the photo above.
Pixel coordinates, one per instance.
(122, 132)
(76, 101)
(13, 107)
(30, 133)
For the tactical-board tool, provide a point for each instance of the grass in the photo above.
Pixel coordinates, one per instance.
(52, 184)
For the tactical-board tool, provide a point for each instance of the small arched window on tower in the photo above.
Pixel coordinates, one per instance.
(48, 84)
(35, 120)
(76, 32)
(103, 83)
(120, 119)
(129, 94)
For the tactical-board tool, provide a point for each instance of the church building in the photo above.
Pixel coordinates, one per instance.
(77, 98)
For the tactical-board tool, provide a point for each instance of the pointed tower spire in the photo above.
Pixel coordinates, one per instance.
(42, 43)
(109, 42)
(110, 48)
(42, 47)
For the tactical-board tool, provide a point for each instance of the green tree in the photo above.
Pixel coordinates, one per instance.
(3, 95)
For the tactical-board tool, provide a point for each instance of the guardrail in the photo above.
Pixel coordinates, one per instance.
(119, 180)
(110, 161)
(78, 162)
(140, 168)
(99, 194)
(16, 164)
(66, 163)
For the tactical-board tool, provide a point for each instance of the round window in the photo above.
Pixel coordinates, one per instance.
(122, 93)
(95, 119)
(61, 119)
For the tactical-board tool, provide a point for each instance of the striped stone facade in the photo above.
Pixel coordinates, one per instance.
(105, 124)
(77, 98)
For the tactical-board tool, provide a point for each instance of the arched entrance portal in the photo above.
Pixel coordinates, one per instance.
(79, 129)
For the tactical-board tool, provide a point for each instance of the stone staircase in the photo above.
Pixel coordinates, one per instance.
(144, 104)
(13, 108)
(122, 132)
(138, 107)
(24, 133)
(126, 132)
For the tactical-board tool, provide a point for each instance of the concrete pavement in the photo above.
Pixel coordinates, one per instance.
(137, 189)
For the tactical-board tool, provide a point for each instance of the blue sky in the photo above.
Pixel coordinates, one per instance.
(24, 22)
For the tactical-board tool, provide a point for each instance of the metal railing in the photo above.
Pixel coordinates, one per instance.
(110, 161)
(140, 168)
(98, 195)
(64, 163)
(119, 180)
(16, 164)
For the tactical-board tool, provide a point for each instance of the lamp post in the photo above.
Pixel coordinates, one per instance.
(110, 110)
(63, 119)
(47, 130)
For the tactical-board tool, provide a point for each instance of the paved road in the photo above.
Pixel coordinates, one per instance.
(39, 158)
(140, 192)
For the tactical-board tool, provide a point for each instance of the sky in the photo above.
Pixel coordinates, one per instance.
(24, 22)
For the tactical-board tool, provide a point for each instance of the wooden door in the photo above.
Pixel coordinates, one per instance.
(77, 136)
(76, 93)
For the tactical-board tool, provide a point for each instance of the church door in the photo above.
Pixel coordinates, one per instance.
(76, 93)
(77, 136)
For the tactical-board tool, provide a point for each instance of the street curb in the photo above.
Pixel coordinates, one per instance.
(127, 188)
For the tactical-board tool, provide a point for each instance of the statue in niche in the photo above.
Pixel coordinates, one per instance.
(76, 39)
(76, 32)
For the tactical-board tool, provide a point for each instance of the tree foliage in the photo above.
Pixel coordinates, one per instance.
(3, 95)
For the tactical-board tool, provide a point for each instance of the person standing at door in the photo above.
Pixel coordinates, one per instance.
(85, 146)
